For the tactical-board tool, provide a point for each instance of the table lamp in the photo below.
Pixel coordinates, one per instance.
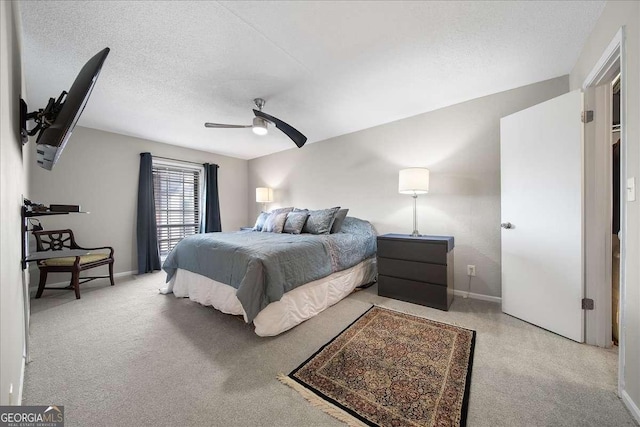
(264, 195)
(414, 181)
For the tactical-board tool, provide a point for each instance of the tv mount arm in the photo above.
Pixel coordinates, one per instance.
(44, 117)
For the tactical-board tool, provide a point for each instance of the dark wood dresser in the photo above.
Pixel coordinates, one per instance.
(416, 269)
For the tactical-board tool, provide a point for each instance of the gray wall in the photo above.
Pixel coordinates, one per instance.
(99, 171)
(459, 144)
(615, 15)
(12, 185)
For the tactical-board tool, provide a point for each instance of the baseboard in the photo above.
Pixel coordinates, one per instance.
(18, 401)
(34, 289)
(482, 297)
(631, 405)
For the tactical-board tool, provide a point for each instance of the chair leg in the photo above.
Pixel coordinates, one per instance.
(75, 282)
(43, 281)
(111, 273)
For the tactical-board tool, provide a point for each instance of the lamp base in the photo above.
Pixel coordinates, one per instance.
(415, 233)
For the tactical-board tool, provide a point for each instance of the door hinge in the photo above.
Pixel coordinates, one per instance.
(587, 304)
(587, 116)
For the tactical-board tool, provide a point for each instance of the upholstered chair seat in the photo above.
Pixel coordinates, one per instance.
(84, 259)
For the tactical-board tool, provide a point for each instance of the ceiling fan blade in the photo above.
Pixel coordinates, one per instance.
(223, 126)
(287, 129)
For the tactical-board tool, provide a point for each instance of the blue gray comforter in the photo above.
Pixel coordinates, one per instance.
(263, 266)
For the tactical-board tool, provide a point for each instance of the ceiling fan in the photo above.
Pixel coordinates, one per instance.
(260, 123)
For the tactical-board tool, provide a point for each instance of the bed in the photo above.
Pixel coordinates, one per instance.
(275, 280)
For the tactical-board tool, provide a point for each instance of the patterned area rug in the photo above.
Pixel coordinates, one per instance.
(391, 369)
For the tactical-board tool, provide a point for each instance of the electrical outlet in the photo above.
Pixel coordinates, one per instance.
(471, 270)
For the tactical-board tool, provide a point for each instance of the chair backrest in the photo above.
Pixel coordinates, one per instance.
(54, 240)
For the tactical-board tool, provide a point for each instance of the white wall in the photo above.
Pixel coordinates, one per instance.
(615, 15)
(459, 144)
(12, 185)
(99, 171)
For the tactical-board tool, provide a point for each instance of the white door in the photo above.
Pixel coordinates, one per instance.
(541, 160)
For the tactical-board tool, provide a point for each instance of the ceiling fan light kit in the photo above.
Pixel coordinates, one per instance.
(259, 126)
(260, 123)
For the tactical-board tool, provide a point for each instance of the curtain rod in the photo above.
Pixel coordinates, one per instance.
(178, 160)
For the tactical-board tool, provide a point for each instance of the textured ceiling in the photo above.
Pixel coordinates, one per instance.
(327, 68)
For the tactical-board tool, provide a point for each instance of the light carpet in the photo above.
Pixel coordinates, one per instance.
(125, 355)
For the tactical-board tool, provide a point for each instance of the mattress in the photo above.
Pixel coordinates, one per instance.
(293, 308)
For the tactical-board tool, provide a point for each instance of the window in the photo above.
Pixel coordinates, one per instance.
(177, 190)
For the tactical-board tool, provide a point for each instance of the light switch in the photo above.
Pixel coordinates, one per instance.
(631, 189)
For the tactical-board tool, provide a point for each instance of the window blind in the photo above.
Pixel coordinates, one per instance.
(177, 200)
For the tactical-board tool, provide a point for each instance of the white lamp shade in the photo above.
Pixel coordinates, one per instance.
(413, 181)
(264, 195)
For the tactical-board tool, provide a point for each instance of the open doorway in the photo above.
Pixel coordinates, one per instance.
(602, 208)
(606, 200)
(616, 142)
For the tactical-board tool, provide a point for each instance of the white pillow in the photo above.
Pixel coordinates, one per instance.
(260, 221)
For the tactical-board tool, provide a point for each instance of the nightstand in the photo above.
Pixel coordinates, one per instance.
(416, 269)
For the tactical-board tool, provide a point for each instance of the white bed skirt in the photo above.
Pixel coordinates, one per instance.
(294, 307)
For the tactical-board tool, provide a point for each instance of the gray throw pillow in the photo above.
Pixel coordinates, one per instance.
(275, 222)
(338, 220)
(260, 221)
(295, 221)
(320, 221)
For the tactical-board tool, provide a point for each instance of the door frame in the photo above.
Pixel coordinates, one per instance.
(601, 73)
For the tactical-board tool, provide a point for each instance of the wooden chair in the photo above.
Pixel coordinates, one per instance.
(56, 240)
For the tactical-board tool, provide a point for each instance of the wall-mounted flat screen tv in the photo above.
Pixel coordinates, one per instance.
(57, 120)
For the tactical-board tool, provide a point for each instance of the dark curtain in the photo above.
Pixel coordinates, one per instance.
(211, 217)
(148, 254)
